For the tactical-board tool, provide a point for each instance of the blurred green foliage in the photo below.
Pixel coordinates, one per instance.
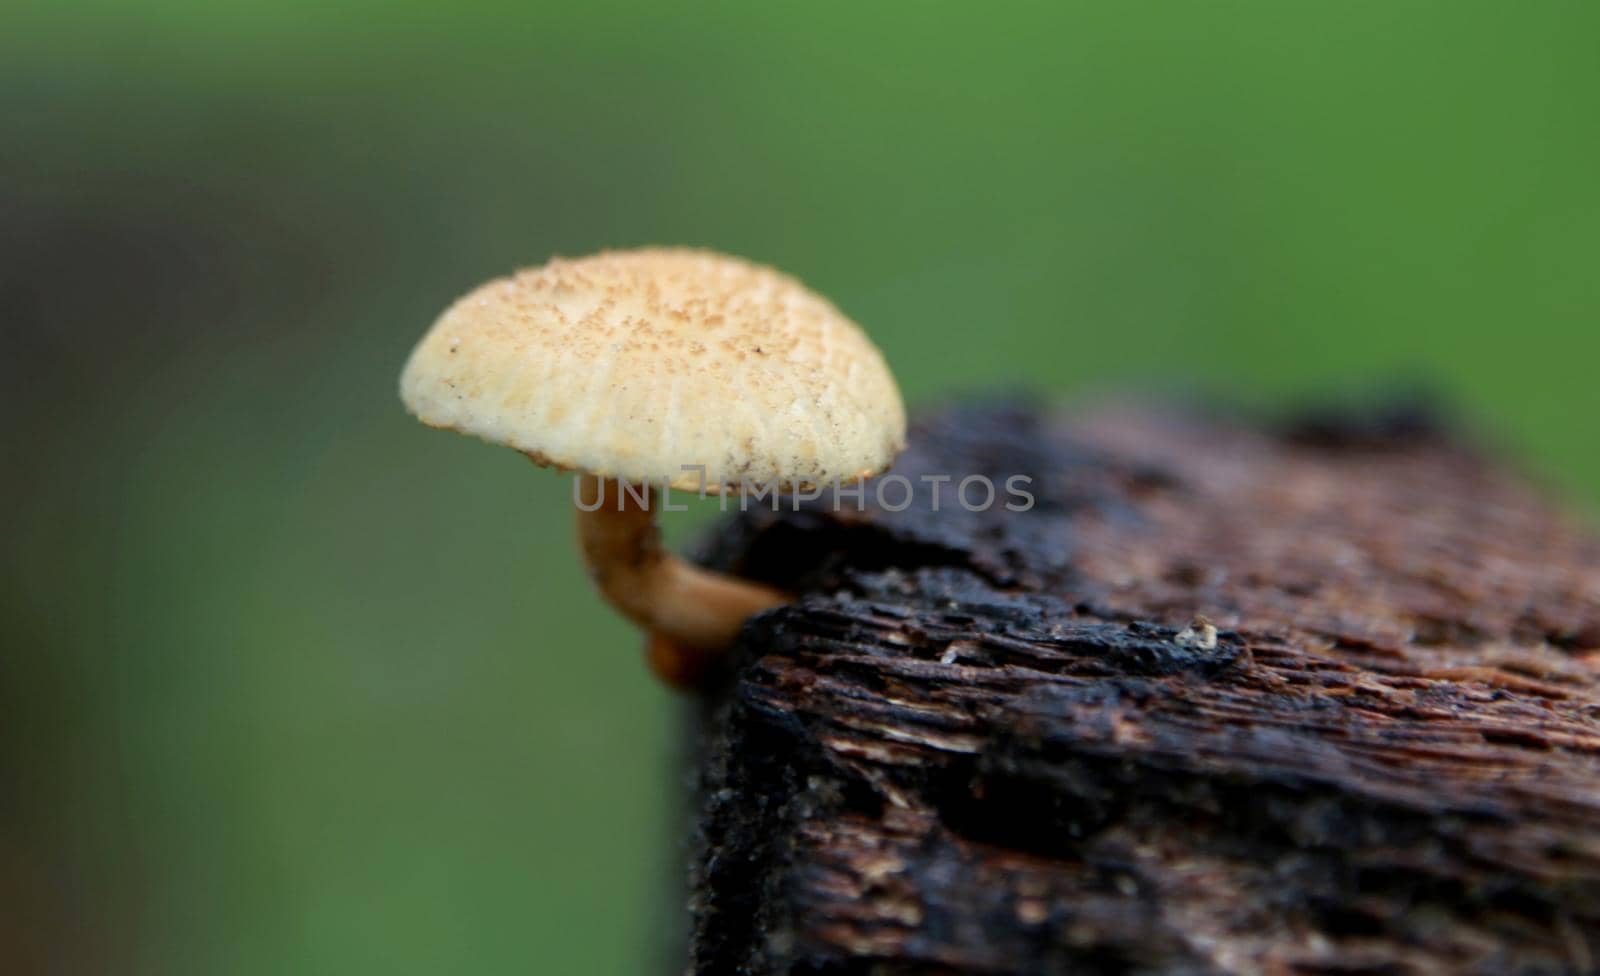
(296, 685)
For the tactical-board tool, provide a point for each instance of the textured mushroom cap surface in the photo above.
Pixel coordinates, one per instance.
(635, 364)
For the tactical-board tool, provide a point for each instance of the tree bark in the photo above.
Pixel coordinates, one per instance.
(998, 741)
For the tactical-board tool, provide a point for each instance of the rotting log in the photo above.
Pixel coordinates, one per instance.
(985, 743)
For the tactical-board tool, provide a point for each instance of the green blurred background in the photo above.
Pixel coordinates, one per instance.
(294, 685)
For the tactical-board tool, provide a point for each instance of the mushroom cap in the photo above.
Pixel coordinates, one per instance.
(633, 364)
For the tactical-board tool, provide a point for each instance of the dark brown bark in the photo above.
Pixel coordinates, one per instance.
(983, 743)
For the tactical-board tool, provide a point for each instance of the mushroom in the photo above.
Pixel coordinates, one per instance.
(667, 367)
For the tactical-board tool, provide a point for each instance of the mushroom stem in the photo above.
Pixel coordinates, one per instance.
(684, 668)
(692, 607)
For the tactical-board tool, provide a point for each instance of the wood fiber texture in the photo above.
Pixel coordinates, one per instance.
(985, 742)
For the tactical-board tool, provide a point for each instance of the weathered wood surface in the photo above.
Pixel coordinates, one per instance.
(979, 743)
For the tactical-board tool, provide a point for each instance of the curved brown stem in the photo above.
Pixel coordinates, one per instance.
(692, 607)
(680, 667)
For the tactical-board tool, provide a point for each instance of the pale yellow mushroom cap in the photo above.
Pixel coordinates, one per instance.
(633, 364)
